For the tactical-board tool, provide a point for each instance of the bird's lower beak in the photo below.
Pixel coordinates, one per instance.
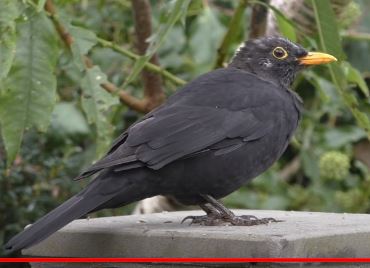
(314, 58)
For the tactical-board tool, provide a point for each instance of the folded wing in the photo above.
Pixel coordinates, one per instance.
(184, 126)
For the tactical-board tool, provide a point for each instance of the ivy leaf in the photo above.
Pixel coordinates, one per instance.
(9, 11)
(28, 93)
(96, 103)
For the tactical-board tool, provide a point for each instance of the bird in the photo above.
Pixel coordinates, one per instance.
(208, 139)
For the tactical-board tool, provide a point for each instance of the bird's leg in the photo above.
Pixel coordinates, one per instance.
(212, 215)
(228, 216)
(218, 214)
(227, 213)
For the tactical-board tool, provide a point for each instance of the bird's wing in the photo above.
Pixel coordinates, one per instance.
(187, 129)
(207, 111)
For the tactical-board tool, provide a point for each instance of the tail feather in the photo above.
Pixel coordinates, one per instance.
(74, 208)
(109, 189)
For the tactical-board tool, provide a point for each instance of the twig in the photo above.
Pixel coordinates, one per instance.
(62, 31)
(258, 21)
(131, 101)
(290, 169)
(153, 93)
(148, 66)
(356, 36)
(67, 38)
(231, 33)
(125, 97)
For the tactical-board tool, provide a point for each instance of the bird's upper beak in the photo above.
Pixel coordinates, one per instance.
(314, 58)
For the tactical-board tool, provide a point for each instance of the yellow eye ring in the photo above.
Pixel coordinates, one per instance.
(279, 53)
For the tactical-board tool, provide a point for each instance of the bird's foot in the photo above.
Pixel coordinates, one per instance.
(207, 220)
(219, 215)
(223, 220)
(250, 220)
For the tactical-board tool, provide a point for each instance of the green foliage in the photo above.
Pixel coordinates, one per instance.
(330, 42)
(28, 92)
(177, 11)
(354, 76)
(96, 103)
(39, 181)
(8, 14)
(68, 121)
(83, 41)
(334, 165)
(201, 45)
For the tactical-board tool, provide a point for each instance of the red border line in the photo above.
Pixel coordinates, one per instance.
(178, 260)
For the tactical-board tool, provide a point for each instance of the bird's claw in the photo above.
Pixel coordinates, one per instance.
(207, 220)
(192, 218)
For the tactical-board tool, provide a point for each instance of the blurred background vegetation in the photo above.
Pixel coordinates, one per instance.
(71, 79)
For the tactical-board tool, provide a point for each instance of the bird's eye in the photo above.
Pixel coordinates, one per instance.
(279, 53)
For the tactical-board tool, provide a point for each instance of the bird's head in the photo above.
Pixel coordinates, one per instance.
(276, 59)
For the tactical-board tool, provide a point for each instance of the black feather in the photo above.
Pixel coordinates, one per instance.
(215, 134)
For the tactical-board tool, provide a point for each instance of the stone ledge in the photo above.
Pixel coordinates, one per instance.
(301, 234)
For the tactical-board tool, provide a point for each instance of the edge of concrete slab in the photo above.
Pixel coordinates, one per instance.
(301, 234)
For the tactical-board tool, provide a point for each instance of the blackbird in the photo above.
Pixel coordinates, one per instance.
(208, 139)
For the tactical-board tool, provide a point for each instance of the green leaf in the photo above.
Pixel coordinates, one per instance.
(286, 28)
(341, 136)
(207, 35)
(329, 39)
(195, 8)
(319, 84)
(96, 103)
(9, 11)
(68, 120)
(310, 164)
(28, 93)
(83, 41)
(327, 28)
(354, 76)
(330, 42)
(177, 11)
(40, 5)
(362, 120)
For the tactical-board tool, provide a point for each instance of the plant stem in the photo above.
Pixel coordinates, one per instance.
(148, 65)
(358, 36)
(152, 82)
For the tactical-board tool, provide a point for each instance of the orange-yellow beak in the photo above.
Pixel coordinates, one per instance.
(314, 58)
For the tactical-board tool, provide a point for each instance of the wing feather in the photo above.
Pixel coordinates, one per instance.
(223, 105)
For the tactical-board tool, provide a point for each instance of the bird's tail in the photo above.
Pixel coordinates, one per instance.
(74, 208)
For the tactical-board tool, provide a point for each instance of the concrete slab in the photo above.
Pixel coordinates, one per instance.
(301, 234)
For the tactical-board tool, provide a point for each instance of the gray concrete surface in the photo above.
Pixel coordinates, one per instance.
(301, 234)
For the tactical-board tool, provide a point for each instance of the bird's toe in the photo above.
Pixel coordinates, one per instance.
(207, 220)
(250, 220)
